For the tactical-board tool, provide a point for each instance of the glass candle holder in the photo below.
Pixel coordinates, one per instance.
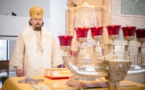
(96, 32)
(81, 33)
(113, 31)
(140, 34)
(128, 32)
(65, 42)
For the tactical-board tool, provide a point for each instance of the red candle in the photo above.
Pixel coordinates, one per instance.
(140, 33)
(65, 40)
(81, 32)
(128, 31)
(96, 31)
(113, 30)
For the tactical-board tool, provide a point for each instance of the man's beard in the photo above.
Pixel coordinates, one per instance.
(37, 27)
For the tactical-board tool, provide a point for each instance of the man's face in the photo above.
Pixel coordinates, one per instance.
(36, 23)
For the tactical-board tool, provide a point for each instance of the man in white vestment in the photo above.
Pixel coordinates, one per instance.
(35, 50)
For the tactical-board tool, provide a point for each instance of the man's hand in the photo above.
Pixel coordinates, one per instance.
(20, 72)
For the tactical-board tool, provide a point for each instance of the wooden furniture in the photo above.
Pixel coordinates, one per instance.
(5, 65)
(4, 70)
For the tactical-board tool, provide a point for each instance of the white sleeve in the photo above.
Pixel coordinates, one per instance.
(18, 53)
(56, 55)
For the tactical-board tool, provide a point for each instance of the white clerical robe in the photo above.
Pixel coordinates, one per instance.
(35, 53)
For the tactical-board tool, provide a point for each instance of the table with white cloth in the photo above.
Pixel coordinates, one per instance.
(59, 84)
